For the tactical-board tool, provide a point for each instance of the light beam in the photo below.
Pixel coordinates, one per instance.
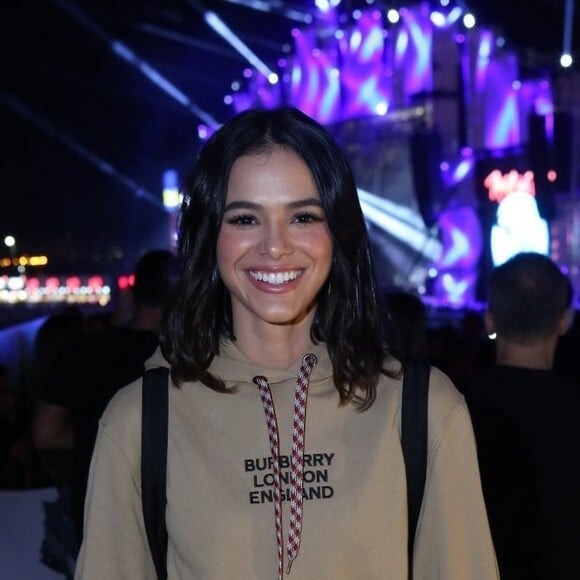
(128, 55)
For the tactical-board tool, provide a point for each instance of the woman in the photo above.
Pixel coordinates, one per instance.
(284, 453)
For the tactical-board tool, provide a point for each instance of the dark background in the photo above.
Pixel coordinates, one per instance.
(68, 103)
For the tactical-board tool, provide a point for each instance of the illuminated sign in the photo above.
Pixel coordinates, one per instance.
(518, 227)
(499, 186)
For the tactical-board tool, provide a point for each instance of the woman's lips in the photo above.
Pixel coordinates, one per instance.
(275, 278)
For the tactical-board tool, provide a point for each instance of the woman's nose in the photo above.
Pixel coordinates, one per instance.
(275, 241)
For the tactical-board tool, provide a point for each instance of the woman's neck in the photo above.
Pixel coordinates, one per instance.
(274, 346)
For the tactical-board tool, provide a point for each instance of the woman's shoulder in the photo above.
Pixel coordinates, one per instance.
(123, 412)
(442, 392)
(444, 402)
(447, 412)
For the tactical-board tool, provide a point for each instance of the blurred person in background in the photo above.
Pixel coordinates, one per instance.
(525, 417)
(93, 368)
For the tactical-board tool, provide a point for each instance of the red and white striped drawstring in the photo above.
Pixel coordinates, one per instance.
(297, 460)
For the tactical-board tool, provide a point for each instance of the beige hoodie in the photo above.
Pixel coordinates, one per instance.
(220, 512)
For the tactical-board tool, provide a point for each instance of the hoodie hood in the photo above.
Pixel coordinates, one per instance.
(234, 368)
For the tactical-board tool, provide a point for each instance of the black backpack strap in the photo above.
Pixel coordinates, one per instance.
(155, 409)
(414, 441)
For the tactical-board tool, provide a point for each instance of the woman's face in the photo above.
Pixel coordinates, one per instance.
(274, 248)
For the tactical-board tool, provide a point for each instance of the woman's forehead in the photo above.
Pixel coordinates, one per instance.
(278, 174)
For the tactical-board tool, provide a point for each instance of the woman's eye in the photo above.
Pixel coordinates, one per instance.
(241, 220)
(307, 218)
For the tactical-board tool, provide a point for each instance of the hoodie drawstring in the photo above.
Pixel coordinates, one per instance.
(297, 459)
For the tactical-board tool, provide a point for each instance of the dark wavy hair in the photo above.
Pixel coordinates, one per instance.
(347, 316)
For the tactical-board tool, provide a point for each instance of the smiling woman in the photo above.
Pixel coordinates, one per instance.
(284, 453)
(274, 251)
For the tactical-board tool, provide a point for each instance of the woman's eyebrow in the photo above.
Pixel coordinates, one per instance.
(242, 204)
(305, 202)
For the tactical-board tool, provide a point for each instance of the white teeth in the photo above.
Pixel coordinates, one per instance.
(275, 278)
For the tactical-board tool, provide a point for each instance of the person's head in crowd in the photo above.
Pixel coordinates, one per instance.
(141, 304)
(149, 292)
(55, 333)
(343, 306)
(406, 325)
(150, 287)
(529, 307)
